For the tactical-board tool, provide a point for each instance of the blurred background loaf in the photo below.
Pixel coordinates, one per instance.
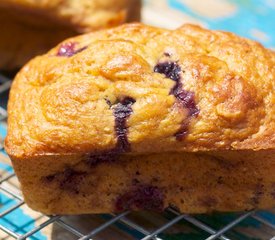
(29, 27)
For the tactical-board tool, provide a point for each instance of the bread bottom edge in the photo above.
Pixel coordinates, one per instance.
(190, 182)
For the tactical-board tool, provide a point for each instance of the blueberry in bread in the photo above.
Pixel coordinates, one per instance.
(137, 117)
(30, 27)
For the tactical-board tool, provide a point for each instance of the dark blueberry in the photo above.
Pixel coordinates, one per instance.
(169, 69)
(144, 197)
(49, 178)
(107, 157)
(122, 110)
(68, 49)
(186, 98)
(70, 180)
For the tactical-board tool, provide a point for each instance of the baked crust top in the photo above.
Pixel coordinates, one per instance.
(141, 89)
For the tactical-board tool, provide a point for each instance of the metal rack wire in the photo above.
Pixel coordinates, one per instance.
(122, 218)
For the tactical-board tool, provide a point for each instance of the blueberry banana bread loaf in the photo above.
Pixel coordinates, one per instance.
(31, 27)
(137, 117)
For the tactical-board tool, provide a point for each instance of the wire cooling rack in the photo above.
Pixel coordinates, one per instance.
(127, 222)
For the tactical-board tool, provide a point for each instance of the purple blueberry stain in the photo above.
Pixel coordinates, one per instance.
(141, 197)
(68, 180)
(183, 131)
(169, 69)
(105, 157)
(122, 110)
(69, 49)
(186, 98)
(50, 178)
(71, 180)
(258, 193)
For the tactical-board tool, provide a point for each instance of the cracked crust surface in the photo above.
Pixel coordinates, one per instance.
(45, 23)
(232, 81)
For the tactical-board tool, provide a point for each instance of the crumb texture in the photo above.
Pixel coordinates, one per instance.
(190, 182)
(145, 90)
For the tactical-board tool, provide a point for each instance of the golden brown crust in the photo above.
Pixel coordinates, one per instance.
(58, 104)
(30, 28)
(101, 123)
